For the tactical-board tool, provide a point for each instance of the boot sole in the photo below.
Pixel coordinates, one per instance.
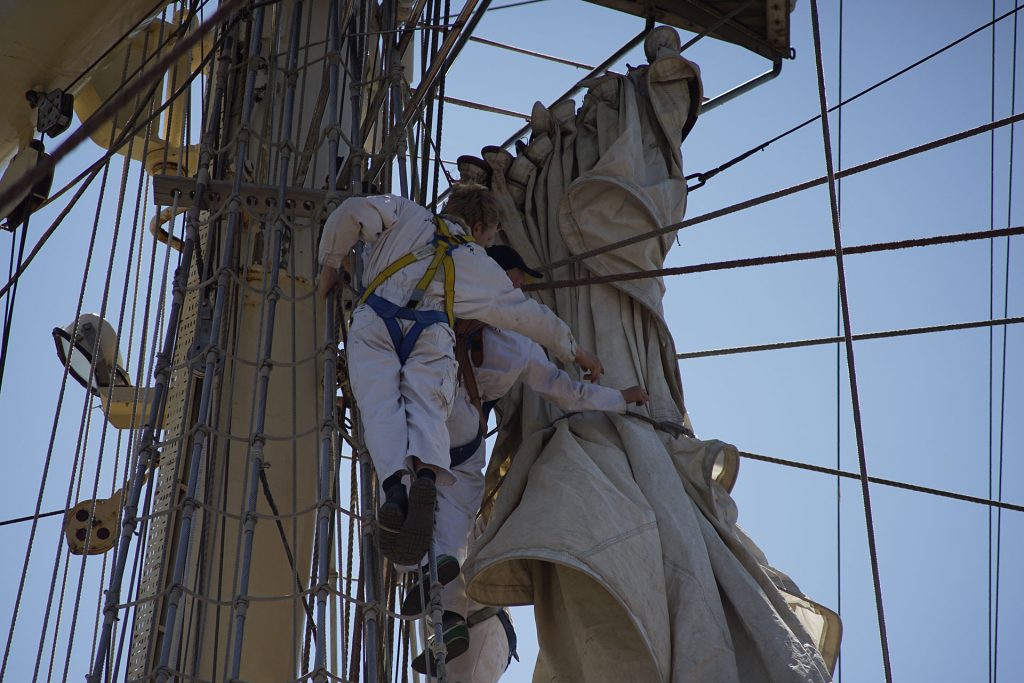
(390, 521)
(456, 642)
(447, 571)
(418, 531)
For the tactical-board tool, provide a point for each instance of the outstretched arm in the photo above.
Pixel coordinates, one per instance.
(358, 218)
(544, 377)
(483, 292)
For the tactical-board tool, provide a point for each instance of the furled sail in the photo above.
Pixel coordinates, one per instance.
(620, 529)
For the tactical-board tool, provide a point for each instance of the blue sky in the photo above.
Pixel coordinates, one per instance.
(924, 399)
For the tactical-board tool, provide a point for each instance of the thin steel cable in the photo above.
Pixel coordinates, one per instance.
(153, 424)
(142, 194)
(776, 259)
(793, 189)
(112, 106)
(49, 458)
(276, 516)
(105, 301)
(330, 378)
(892, 483)
(905, 332)
(93, 170)
(704, 176)
(146, 369)
(1002, 380)
(991, 315)
(269, 314)
(5, 342)
(839, 442)
(848, 331)
(127, 34)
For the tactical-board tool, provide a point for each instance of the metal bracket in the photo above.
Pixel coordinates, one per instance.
(260, 200)
(202, 340)
(56, 109)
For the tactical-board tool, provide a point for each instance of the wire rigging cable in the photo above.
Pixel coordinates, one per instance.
(848, 332)
(705, 176)
(1002, 380)
(793, 189)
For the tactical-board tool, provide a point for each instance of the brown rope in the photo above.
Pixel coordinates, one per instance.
(885, 482)
(778, 194)
(778, 258)
(857, 337)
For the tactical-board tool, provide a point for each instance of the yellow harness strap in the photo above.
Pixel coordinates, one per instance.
(439, 249)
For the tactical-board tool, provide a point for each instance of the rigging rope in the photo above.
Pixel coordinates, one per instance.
(97, 166)
(705, 176)
(839, 353)
(113, 105)
(793, 189)
(996, 504)
(848, 332)
(5, 336)
(1002, 381)
(991, 323)
(774, 259)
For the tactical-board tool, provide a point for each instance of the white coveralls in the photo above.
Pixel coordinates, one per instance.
(508, 358)
(403, 407)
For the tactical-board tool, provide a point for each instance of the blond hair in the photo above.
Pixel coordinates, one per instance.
(474, 204)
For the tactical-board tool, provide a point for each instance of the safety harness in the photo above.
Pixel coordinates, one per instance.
(439, 251)
(469, 352)
(486, 613)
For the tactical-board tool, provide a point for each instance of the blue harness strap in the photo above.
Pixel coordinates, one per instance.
(510, 632)
(391, 313)
(461, 454)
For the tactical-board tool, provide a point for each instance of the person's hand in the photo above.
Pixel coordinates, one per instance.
(591, 364)
(635, 395)
(328, 278)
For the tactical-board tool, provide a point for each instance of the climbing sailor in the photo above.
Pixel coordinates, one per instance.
(491, 362)
(419, 272)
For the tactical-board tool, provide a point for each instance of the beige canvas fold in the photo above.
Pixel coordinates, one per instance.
(620, 529)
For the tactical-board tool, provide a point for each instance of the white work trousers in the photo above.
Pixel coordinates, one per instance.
(403, 407)
(487, 657)
(457, 506)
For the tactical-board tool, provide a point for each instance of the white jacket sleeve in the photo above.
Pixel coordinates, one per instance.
(483, 292)
(358, 218)
(557, 386)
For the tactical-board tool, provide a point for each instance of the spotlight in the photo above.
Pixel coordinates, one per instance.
(88, 338)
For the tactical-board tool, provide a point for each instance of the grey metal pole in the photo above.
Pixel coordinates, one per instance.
(258, 438)
(162, 373)
(213, 356)
(328, 425)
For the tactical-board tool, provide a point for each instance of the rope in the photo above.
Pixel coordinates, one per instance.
(705, 176)
(5, 342)
(778, 194)
(988, 502)
(775, 259)
(105, 300)
(848, 331)
(1002, 381)
(839, 353)
(857, 337)
(97, 166)
(48, 462)
(112, 106)
(284, 539)
(991, 315)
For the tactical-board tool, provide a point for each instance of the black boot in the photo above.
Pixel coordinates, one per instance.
(418, 530)
(447, 571)
(456, 641)
(392, 515)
